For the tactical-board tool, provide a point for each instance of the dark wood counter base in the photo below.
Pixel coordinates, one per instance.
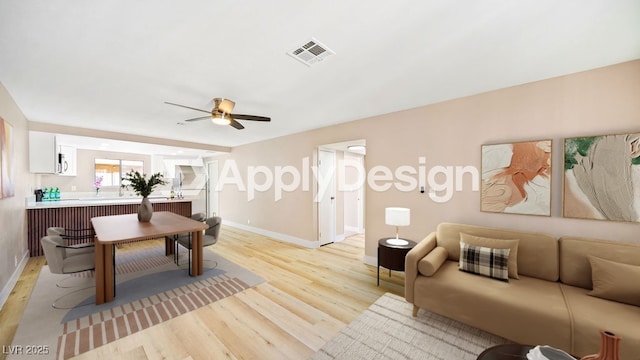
(79, 217)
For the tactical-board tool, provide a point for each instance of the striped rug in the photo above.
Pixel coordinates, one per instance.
(150, 289)
(386, 330)
(134, 261)
(88, 332)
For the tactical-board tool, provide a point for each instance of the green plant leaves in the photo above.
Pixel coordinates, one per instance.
(138, 182)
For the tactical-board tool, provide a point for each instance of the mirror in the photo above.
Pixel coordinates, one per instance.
(111, 170)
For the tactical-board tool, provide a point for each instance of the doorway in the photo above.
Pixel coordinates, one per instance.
(343, 210)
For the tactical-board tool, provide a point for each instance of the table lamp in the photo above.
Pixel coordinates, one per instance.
(396, 216)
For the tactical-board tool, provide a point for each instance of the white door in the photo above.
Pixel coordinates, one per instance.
(360, 204)
(212, 194)
(326, 196)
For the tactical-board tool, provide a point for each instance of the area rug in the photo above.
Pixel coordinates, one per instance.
(386, 330)
(150, 289)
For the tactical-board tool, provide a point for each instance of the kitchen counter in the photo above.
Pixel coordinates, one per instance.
(96, 201)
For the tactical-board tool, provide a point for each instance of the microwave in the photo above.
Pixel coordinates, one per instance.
(63, 165)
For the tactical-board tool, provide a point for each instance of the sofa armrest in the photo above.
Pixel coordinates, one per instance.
(432, 262)
(411, 263)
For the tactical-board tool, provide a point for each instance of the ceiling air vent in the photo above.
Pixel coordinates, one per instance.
(311, 52)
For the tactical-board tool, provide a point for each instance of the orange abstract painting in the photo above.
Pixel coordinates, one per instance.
(516, 178)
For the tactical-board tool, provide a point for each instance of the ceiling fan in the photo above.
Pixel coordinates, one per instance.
(221, 114)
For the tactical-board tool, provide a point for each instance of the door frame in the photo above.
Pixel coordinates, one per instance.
(331, 192)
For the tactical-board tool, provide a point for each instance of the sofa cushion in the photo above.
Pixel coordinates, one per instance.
(591, 314)
(615, 281)
(537, 252)
(575, 268)
(484, 261)
(429, 264)
(518, 310)
(512, 245)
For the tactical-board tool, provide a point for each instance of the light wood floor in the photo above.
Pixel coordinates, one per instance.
(308, 296)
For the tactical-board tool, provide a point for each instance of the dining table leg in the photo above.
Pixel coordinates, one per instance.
(104, 273)
(196, 257)
(169, 245)
(109, 273)
(99, 273)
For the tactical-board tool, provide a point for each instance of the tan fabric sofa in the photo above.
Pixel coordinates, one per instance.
(549, 303)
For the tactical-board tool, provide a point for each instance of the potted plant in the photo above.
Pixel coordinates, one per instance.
(143, 187)
(97, 184)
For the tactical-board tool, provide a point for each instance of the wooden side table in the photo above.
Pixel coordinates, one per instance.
(391, 256)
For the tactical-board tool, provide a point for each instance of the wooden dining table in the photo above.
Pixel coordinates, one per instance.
(119, 229)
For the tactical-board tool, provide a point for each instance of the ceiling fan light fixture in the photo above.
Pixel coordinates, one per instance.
(221, 114)
(220, 119)
(224, 105)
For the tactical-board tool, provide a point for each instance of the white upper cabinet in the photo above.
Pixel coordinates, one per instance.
(42, 152)
(47, 157)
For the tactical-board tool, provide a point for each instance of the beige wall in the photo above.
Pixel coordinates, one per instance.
(600, 101)
(12, 210)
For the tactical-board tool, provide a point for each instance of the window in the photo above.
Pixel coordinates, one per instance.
(112, 170)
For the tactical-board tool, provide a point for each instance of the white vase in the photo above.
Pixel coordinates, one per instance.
(145, 210)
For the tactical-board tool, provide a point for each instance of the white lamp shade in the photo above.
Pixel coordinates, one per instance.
(397, 216)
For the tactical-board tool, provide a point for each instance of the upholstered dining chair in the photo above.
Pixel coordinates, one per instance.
(73, 237)
(69, 234)
(70, 238)
(64, 259)
(199, 216)
(209, 238)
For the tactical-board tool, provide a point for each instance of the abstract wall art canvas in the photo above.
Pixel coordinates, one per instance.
(516, 178)
(7, 178)
(602, 177)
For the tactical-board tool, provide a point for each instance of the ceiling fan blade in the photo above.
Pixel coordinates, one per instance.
(251, 117)
(187, 107)
(236, 124)
(199, 118)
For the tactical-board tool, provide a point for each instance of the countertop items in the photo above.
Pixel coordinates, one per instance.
(32, 204)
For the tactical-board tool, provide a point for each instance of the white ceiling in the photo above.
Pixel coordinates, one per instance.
(110, 65)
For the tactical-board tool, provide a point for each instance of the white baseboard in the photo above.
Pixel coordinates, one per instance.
(339, 237)
(6, 291)
(272, 234)
(370, 260)
(353, 229)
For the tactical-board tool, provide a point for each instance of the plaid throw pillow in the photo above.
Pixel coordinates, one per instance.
(484, 261)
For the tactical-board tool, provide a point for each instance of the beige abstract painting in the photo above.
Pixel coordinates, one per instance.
(602, 177)
(516, 178)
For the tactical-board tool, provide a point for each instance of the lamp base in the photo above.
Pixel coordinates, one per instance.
(397, 241)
